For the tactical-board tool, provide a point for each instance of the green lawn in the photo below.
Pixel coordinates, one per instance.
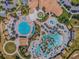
(25, 10)
(40, 15)
(10, 47)
(64, 18)
(75, 1)
(43, 18)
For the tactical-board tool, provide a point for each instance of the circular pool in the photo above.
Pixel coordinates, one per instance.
(24, 28)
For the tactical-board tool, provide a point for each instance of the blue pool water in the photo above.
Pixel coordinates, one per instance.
(55, 39)
(24, 28)
(38, 50)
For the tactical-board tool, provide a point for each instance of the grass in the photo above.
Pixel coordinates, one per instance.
(44, 18)
(64, 17)
(37, 27)
(1, 8)
(40, 15)
(10, 47)
(75, 22)
(75, 1)
(25, 10)
(73, 47)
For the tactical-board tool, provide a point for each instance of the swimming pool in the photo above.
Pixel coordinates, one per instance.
(55, 39)
(24, 28)
(48, 43)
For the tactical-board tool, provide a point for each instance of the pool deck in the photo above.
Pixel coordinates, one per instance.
(57, 46)
(24, 20)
